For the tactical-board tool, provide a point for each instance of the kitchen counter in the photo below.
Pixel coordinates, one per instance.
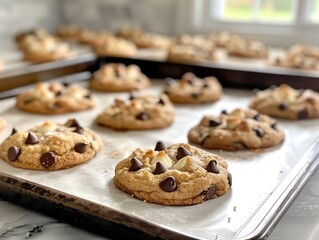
(301, 221)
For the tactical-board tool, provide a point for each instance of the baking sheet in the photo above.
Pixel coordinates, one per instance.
(256, 174)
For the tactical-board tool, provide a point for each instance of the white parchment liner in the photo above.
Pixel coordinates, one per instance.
(255, 174)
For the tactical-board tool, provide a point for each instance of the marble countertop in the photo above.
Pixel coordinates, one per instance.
(301, 221)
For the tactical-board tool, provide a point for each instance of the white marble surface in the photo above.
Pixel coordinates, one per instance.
(301, 221)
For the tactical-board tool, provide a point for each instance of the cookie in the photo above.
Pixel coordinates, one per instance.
(221, 39)
(50, 146)
(138, 113)
(68, 32)
(193, 90)
(2, 123)
(112, 46)
(45, 49)
(241, 47)
(182, 53)
(55, 98)
(178, 175)
(116, 77)
(198, 41)
(287, 102)
(240, 129)
(21, 37)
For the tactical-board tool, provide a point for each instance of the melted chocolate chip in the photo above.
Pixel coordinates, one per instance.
(79, 130)
(258, 132)
(303, 114)
(224, 112)
(74, 123)
(210, 193)
(88, 95)
(205, 85)
(168, 184)
(159, 169)
(282, 106)
(58, 93)
(13, 153)
(230, 179)
(256, 117)
(135, 165)
(142, 116)
(65, 84)
(274, 125)
(212, 167)
(47, 159)
(161, 101)
(80, 147)
(213, 123)
(13, 131)
(190, 81)
(31, 139)
(195, 95)
(132, 96)
(159, 146)
(182, 152)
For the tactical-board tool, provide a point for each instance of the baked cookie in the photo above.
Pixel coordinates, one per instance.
(55, 98)
(221, 39)
(45, 49)
(116, 77)
(240, 129)
(241, 47)
(50, 146)
(35, 33)
(2, 123)
(138, 113)
(178, 175)
(286, 102)
(198, 41)
(182, 53)
(112, 46)
(193, 90)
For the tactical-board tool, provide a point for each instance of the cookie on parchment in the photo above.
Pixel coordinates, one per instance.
(178, 175)
(193, 90)
(116, 77)
(50, 146)
(237, 130)
(287, 102)
(55, 98)
(138, 113)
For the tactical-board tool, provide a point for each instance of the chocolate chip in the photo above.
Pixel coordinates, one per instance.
(47, 159)
(168, 184)
(65, 84)
(132, 96)
(205, 85)
(80, 147)
(58, 93)
(210, 193)
(303, 114)
(282, 106)
(161, 101)
(195, 95)
(74, 123)
(255, 91)
(13, 153)
(224, 112)
(258, 132)
(159, 169)
(274, 125)
(142, 116)
(213, 123)
(31, 139)
(159, 146)
(166, 92)
(230, 179)
(13, 131)
(79, 130)
(212, 167)
(88, 95)
(182, 152)
(256, 117)
(135, 165)
(190, 81)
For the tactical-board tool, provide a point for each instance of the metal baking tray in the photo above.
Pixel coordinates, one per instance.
(231, 72)
(264, 182)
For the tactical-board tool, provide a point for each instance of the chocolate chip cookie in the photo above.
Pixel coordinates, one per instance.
(55, 98)
(287, 102)
(193, 90)
(138, 113)
(115, 77)
(177, 175)
(50, 146)
(240, 129)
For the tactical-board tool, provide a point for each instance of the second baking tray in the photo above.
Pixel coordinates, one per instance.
(264, 182)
